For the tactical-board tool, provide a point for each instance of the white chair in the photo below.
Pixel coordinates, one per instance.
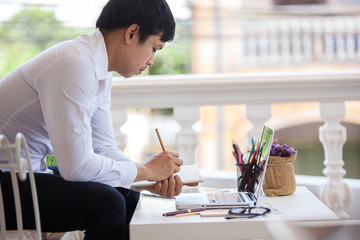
(17, 167)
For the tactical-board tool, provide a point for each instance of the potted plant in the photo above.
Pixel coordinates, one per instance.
(280, 173)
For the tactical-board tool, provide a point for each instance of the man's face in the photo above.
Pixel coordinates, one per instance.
(137, 56)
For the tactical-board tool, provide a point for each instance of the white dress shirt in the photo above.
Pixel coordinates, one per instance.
(60, 101)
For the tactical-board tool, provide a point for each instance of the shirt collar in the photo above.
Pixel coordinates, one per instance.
(100, 55)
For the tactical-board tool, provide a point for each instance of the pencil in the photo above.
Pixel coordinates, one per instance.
(187, 214)
(158, 135)
(191, 210)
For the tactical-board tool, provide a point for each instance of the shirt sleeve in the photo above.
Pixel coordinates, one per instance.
(104, 142)
(67, 91)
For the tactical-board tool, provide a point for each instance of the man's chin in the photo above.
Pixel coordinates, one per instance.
(130, 75)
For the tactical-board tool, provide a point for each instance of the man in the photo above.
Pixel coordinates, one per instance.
(60, 101)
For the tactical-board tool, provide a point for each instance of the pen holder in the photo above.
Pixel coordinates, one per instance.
(248, 176)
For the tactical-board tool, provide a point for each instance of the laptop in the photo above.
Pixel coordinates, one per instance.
(229, 199)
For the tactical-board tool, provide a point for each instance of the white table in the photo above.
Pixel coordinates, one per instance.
(148, 222)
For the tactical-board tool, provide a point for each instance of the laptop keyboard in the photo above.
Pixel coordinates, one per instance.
(225, 197)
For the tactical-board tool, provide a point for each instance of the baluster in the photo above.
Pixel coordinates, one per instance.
(263, 40)
(274, 42)
(257, 115)
(340, 41)
(119, 117)
(350, 40)
(330, 42)
(336, 194)
(252, 42)
(187, 139)
(357, 36)
(285, 36)
(296, 43)
(309, 27)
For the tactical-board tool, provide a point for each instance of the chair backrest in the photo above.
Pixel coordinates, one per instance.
(17, 166)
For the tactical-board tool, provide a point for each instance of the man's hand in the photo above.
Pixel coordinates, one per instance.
(169, 187)
(160, 167)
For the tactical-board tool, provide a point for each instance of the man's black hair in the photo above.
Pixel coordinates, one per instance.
(153, 16)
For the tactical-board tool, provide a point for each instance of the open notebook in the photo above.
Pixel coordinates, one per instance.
(229, 199)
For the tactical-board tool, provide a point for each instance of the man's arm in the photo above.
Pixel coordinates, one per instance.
(67, 90)
(159, 168)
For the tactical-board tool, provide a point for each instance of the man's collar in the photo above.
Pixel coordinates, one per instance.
(101, 58)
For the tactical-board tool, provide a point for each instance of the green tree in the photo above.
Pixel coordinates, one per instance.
(175, 57)
(28, 33)
(33, 30)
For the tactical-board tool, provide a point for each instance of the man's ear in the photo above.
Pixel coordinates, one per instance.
(131, 31)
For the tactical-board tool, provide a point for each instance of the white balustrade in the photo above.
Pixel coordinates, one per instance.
(119, 117)
(290, 39)
(187, 138)
(336, 194)
(186, 93)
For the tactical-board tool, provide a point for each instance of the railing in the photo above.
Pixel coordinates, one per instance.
(288, 39)
(300, 39)
(185, 93)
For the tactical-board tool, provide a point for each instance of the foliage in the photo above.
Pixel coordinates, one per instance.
(32, 30)
(28, 33)
(175, 57)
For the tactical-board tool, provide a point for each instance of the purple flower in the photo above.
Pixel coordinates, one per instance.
(282, 150)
